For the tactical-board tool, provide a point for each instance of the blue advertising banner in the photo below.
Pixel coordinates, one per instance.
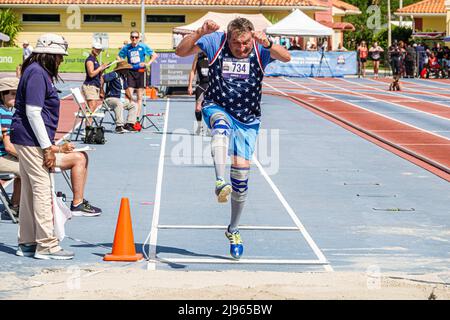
(170, 70)
(313, 64)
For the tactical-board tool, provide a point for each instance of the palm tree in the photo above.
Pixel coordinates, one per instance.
(10, 24)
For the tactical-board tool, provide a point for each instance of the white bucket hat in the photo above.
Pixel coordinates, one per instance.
(97, 45)
(51, 43)
(8, 83)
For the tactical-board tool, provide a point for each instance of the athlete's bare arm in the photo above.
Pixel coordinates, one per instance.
(276, 52)
(188, 47)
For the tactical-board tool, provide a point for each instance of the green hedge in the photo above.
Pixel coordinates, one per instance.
(74, 62)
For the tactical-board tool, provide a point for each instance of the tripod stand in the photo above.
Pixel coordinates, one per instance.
(322, 55)
(147, 116)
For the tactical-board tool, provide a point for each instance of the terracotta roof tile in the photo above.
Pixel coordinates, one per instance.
(345, 26)
(174, 2)
(426, 6)
(344, 5)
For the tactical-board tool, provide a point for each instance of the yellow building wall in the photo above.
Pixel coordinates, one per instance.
(158, 35)
(437, 24)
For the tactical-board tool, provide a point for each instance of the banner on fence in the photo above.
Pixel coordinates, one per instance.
(314, 64)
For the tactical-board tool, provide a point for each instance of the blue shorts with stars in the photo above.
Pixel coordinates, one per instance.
(243, 136)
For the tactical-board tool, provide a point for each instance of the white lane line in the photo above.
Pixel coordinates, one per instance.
(294, 217)
(227, 260)
(371, 111)
(224, 227)
(429, 85)
(153, 235)
(397, 94)
(385, 101)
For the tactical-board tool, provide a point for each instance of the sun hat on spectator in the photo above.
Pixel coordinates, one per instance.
(8, 83)
(51, 43)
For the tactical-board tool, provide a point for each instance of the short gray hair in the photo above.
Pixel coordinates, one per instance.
(240, 25)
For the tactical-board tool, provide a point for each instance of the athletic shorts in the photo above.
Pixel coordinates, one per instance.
(363, 60)
(243, 136)
(200, 92)
(136, 79)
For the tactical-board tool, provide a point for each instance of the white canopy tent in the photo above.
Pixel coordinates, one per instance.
(222, 19)
(299, 24)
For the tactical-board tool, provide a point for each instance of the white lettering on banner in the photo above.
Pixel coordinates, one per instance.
(6, 60)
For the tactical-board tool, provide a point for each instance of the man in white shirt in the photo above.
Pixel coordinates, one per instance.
(27, 49)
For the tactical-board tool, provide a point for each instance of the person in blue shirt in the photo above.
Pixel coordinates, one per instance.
(136, 53)
(231, 107)
(8, 154)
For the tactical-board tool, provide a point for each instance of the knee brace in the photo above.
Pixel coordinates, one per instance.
(239, 182)
(220, 131)
(219, 125)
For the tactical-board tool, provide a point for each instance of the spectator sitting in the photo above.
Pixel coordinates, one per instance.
(433, 66)
(8, 154)
(115, 83)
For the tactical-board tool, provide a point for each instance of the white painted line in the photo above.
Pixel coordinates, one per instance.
(227, 260)
(392, 102)
(153, 235)
(241, 227)
(371, 111)
(294, 217)
(427, 85)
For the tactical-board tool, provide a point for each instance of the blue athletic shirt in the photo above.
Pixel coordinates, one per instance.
(5, 124)
(95, 81)
(36, 89)
(135, 55)
(234, 84)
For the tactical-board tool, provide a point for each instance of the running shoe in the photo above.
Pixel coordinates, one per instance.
(26, 250)
(85, 209)
(120, 130)
(129, 127)
(137, 126)
(59, 255)
(236, 244)
(223, 190)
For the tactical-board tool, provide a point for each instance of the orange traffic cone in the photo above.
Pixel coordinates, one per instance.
(123, 247)
(154, 94)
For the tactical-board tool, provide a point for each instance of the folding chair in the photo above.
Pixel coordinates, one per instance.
(83, 113)
(4, 197)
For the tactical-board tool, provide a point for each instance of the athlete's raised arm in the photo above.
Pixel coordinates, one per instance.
(187, 46)
(276, 51)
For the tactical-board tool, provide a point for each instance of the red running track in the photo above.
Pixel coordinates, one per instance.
(422, 148)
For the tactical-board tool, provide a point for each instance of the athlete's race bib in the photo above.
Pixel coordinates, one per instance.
(134, 57)
(235, 68)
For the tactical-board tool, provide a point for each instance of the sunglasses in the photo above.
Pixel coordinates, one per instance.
(134, 37)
